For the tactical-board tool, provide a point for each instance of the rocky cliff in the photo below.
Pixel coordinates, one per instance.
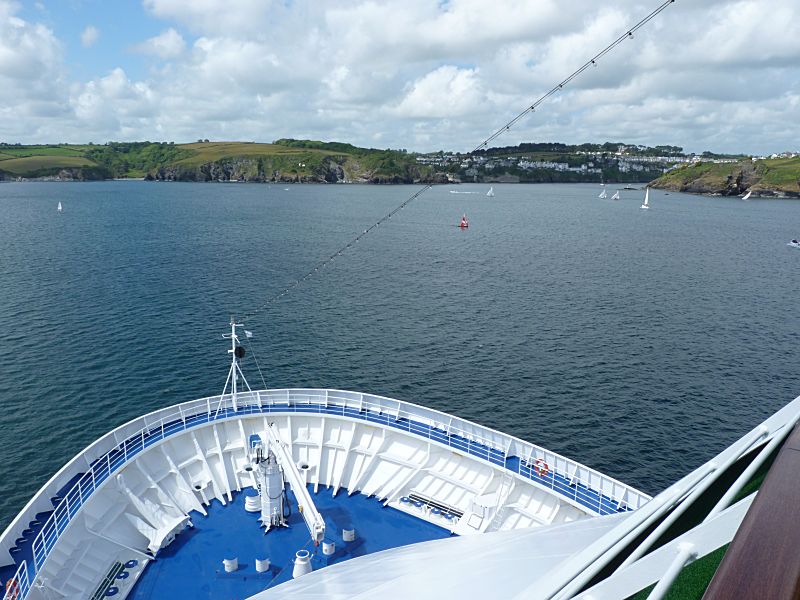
(776, 178)
(260, 169)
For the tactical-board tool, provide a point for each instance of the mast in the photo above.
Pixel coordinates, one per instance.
(237, 352)
(234, 362)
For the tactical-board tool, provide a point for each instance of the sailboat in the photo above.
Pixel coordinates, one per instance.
(603, 194)
(59, 209)
(747, 195)
(646, 199)
(615, 196)
(490, 193)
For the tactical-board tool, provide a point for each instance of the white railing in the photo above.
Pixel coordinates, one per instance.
(701, 540)
(571, 480)
(20, 584)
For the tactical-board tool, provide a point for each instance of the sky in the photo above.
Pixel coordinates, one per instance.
(425, 75)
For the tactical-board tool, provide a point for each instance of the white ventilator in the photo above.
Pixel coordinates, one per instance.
(274, 467)
(271, 479)
(270, 486)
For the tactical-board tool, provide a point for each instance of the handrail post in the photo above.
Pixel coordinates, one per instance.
(686, 554)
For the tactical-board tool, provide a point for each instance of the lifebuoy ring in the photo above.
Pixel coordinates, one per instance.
(541, 467)
(12, 589)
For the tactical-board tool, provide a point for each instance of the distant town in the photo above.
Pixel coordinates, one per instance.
(515, 164)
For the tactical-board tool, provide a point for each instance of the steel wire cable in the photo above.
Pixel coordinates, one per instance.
(592, 62)
(483, 145)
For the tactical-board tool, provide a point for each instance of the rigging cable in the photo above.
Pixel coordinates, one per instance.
(483, 145)
(592, 62)
(253, 354)
(326, 261)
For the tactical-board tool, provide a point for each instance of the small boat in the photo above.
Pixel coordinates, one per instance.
(59, 209)
(464, 222)
(794, 244)
(646, 203)
(747, 195)
(615, 196)
(490, 193)
(629, 187)
(603, 194)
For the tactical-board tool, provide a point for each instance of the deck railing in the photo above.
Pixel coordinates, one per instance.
(571, 480)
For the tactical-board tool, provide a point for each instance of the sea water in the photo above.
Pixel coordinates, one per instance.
(637, 342)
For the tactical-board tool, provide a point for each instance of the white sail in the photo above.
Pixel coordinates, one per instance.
(747, 195)
(59, 206)
(603, 194)
(490, 192)
(615, 196)
(646, 198)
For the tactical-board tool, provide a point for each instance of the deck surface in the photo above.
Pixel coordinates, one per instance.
(191, 567)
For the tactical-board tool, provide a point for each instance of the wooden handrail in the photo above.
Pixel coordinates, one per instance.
(763, 560)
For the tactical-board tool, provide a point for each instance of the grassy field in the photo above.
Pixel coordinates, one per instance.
(780, 172)
(40, 163)
(710, 172)
(11, 152)
(211, 151)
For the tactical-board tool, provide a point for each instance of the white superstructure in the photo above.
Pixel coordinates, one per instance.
(142, 480)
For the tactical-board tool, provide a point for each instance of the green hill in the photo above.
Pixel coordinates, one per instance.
(777, 177)
(284, 160)
(289, 160)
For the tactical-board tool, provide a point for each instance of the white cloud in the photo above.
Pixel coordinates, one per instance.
(217, 16)
(30, 76)
(89, 36)
(443, 93)
(721, 75)
(167, 44)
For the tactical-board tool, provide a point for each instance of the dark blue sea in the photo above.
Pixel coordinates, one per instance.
(638, 342)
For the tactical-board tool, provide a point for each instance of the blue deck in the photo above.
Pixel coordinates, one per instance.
(191, 567)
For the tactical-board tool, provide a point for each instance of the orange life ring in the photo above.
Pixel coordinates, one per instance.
(12, 589)
(541, 467)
